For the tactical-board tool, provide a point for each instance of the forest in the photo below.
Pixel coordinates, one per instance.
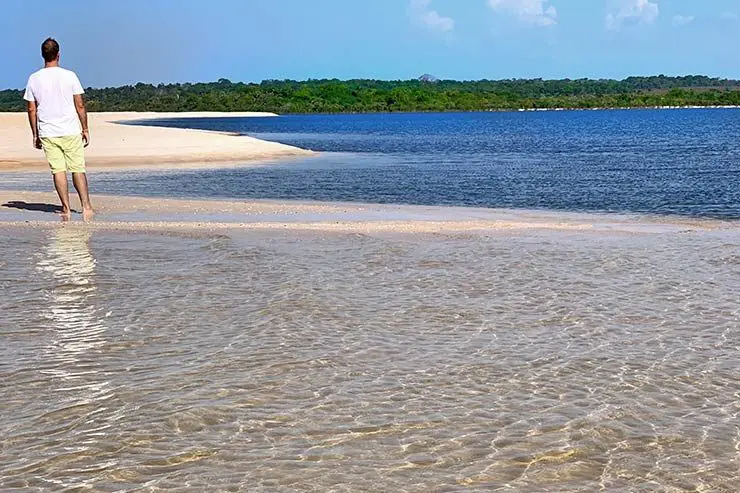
(423, 94)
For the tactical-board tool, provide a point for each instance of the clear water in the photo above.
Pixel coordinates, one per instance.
(518, 360)
(646, 161)
(286, 361)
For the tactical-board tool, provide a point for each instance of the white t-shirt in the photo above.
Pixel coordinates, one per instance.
(53, 89)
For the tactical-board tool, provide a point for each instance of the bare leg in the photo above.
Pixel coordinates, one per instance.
(60, 183)
(80, 183)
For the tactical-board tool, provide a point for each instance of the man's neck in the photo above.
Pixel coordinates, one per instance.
(55, 63)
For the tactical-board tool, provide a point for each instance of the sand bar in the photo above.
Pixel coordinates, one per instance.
(115, 145)
(37, 209)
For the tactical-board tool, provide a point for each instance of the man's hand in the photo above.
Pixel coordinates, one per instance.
(82, 115)
(34, 122)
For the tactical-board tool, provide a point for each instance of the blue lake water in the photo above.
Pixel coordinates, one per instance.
(641, 161)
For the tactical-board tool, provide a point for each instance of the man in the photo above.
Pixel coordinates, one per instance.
(56, 112)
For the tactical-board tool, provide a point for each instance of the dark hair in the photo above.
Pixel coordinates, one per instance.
(50, 50)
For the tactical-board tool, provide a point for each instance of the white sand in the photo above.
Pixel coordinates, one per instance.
(126, 146)
(26, 209)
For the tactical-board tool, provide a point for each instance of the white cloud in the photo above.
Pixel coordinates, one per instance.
(633, 12)
(533, 12)
(421, 12)
(682, 20)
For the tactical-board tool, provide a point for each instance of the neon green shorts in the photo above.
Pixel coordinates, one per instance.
(64, 153)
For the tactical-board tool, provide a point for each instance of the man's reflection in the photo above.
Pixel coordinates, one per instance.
(76, 329)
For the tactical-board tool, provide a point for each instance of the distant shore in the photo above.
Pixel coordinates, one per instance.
(606, 108)
(118, 146)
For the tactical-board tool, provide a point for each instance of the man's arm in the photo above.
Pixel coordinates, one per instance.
(82, 114)
(33, 120)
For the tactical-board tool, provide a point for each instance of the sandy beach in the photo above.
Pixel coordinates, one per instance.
(116, 213)
(115, 145)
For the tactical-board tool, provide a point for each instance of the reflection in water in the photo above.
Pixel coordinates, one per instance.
(76, 333)
(71, 310)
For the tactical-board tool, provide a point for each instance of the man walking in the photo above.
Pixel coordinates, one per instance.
(56, 112)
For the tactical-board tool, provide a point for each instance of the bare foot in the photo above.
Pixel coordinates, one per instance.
(66, 216)
(88, 214)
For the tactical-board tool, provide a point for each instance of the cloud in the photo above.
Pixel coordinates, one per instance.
(532, 12)
(421, 12)
(632, 12)
(682, 20)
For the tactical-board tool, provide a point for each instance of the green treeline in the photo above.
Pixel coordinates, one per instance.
(426, 94)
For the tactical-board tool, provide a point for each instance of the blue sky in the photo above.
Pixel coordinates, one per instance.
(111, 43)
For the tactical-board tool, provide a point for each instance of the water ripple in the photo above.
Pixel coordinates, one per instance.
(525, 361)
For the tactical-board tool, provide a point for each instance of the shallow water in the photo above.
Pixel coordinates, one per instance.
(286, 361)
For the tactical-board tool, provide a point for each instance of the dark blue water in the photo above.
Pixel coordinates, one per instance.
(645, 161)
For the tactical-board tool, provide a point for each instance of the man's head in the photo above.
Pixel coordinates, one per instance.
(50, 50)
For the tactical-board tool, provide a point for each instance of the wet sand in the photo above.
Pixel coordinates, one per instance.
(119, 146)
(37, 209)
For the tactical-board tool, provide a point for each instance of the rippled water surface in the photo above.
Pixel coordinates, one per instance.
(548, 361)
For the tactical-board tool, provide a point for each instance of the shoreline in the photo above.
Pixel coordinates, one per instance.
(631, 108)
(116, 145)
(36, 210)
